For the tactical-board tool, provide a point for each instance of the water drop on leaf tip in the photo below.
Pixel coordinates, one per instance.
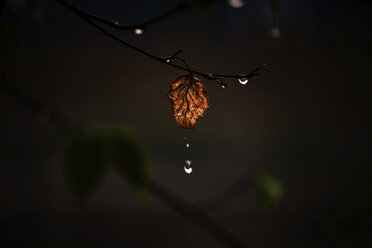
(243, 80)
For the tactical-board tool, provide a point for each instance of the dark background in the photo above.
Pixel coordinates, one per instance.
(304, 119)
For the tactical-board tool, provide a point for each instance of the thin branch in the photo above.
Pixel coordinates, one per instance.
(237, 189)
(195, 215)
(117, 25)
(88, 17)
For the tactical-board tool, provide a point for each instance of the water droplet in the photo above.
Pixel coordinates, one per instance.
(210, 76)
(243, 80)
(188, 163)
(114, 25)
(223, 85)
(236, 3)
(138, 31)
(188, 166)
(187, 145)
(188, 170)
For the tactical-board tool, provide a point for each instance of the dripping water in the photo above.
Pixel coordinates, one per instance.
(188, 163)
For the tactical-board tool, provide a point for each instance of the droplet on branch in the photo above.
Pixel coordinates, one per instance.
(188, 166)
(243, 80)
(189, 100)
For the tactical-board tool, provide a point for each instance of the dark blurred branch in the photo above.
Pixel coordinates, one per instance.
(88, 17)
(117, 25)
(195, 215)
(240, 187)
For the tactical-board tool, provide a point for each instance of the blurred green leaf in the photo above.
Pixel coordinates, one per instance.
(85, 160)
(87, 157)
(268, 188)
(130, 157)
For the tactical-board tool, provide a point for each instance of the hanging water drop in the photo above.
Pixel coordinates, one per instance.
(188, 166)
(138, 31)
(187, 145)
(243, 80)
(236, 3)
(188, 170)
(223, 85)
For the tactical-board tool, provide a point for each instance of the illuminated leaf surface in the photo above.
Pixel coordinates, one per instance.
(189, 100)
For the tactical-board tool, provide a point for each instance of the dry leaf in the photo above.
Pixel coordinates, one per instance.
(189, 100)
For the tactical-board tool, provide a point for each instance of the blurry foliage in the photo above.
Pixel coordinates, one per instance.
(90, 152)
(130, 157)
(268, 188)
(86, 163)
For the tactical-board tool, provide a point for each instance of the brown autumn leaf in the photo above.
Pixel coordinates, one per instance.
(189, 100)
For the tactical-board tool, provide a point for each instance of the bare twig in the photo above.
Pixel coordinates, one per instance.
(239, 188)
(90, 18)
(117, 25)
